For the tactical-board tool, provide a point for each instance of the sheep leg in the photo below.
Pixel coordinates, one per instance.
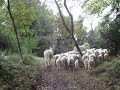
(46, 62)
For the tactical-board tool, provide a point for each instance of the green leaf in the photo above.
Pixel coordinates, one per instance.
(1, 2)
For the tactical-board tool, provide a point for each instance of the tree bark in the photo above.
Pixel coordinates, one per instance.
(70, 31)
(15, 30)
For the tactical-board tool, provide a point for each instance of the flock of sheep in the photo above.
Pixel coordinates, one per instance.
(72, 59)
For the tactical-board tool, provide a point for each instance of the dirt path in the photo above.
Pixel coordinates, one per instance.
(52, 79)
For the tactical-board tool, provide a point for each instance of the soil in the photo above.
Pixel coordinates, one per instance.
(54, 79)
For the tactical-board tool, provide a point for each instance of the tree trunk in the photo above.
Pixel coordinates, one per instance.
(15, 30)
(76, 45)
(70, 31)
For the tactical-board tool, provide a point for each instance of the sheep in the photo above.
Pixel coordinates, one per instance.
(58, 63)
(48, 55)
(86, 63)
(55, 57)
(92, 55)
(101, 53)
(71, 52)
(61, 61)
(76, 64)
(96, 53)
(91, 50)
(83, 47)
(64, 61)
(106, 56)
(70, 61)
(105, 51)
(84, 52)
(85, 56)
(91, 63)
(99, 59)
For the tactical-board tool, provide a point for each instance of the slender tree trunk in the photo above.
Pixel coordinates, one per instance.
(15, 30)
(70, 31)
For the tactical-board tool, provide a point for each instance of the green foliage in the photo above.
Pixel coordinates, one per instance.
(106, 35)
(117, 87)
(24, 14)
(43, 27)
(80, 30)
(1, 2)
(97, 6)
(114, 69)
(7, 40)
(29, 41)
(65, 39)
(109, 32)
(34, 25)
(61, 28)
(17, 76)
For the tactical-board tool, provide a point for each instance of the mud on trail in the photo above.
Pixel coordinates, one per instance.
(53, 79)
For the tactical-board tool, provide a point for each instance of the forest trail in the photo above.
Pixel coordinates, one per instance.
(54, 79)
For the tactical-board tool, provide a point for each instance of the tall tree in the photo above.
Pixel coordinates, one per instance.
(15, 30)
(80, 31)
(71, 30)
(43, 26)
(97, 6)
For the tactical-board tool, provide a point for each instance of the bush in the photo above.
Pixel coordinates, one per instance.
(117, 87)
(16, 76)
(29, 42)
(28, 59)
(114, 69)
(8, 41)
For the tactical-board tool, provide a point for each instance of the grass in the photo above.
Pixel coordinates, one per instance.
(39, 59)
(107, 72)
(18, 75)
(28, 58)
(28, 69)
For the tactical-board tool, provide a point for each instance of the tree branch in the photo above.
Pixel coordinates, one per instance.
(15, 30)
(71, 17)
(72, 26)
(62, 17)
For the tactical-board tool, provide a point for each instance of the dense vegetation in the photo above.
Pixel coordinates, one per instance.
(38, 29)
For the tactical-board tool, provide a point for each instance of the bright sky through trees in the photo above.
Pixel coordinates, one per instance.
(77, 11)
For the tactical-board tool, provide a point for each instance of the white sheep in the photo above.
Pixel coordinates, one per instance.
(106, 56)
(83, 47)
(101, 53)
(48, 55)
(92, 55)
(99, 59)
(58, 63)
(105, 51)
(76, 64)
(86, 63)
(91, 63)
(64, 62)
(85, 56)
(70, 61)
(96, 53)
(55, 57)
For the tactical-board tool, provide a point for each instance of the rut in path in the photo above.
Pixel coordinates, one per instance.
(53, 79)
